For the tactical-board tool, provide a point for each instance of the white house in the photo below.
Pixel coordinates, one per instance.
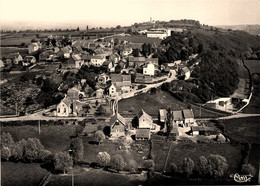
(33, 47)
(159, 33)
(64, 107)
(188, 117)
(112, 91)
(97, 61)
(178, 117)
(186, 72)
(145, 120)
(149, 69)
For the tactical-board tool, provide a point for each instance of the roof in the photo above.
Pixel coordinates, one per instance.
(120, 78)
(78, 48)
(67, 101)
(142, 133)
(174, 129)
(117, 117)
(97, 57)
(151, 60)
(76, 57)
(28, 58)
(65, 50)
(177, 115)
(106, 63)
(185, 69)
(162, 113)
(142, 112)
(188, 113)
(86, 57)
(136, 59)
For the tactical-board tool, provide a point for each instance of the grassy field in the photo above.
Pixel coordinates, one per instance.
(21, 174)
(181, 150)
(253, 65)
(5, 51)
(54, 138)
(16, 41)
(243, 129)
(151, 103)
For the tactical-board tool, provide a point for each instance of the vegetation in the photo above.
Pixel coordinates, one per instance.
(103, 158)
(117, 162)
(77, 148)
(248, 169)
(149, 165)
(62, 162)
(217, 165)
(187, 166)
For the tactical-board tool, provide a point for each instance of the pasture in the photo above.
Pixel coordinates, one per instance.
(5, 51)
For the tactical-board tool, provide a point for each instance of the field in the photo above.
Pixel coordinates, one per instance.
(53, 138)
(182, 150)
(151, 103)
(254, 105)
(253, 65)
(5, 51)
(21, 174)
(243, 129)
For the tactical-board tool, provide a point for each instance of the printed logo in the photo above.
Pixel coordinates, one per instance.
(241, 178)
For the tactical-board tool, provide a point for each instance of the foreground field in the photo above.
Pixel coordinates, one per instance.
(54, 138)
(21, 174)
(151, 103)
(182, 150)
(243, 129)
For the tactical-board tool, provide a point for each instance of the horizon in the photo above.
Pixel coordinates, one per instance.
(60, 14)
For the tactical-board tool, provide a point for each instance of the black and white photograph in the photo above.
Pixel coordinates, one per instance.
(129, 92)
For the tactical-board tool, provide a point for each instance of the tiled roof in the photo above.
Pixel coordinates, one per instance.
(116, 117)
(97, 57)
(76, 57)
(136, 59)
(187, 113)
(185, 69)
(28, 58)
(120, 78)
(67, 101)
(142, 112)
(177, 115)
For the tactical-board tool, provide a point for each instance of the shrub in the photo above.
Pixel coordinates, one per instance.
(62, 162)
(173, 168)
(217, 165)
(5, 153)
(99, 135)
(248, 169)
(77, 148)
(7, 140)
(103, 158)
(187, 166)
(149, 164)
(202, 166)
(133, 165)
(117, 162)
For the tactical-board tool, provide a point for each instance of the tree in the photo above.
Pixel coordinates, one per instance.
(116, 42)
(99, 135)
(202, 166)
(103, 158)
(43, 154)
(200, 48)
(136, 52)
(77, 148)
(118, 69)
(217, 165)
(149, 164)
(248, 169)
(19, 150)
(32, 148)
(117, 162)
(7, 140)
(118, 27)
(62, 162)
(5, 153)
(187, 166)
(133, 165)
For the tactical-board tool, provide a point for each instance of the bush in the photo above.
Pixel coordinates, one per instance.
(187, 166)
(149, 164)
(7, 140)
(62, 162)
(173, 168)
(133, 165)
(99, 135)
(117, 162)
(217, 165)
(248, 169)
(77, 148)
(5, 153)
(103, 158)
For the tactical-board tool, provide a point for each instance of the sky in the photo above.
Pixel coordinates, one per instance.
(127, 12)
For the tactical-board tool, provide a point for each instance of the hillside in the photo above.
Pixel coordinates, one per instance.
(251, 29)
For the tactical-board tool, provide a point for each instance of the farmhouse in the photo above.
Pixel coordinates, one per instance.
(145, 121)
(74, 62)
(136, 61)
(118, 126)
(122, 82)
(159, 33)
(162, 115)
(185, 72)
(178, 117)
(65, 52)
(149, 69)
(64, 107)
(97, 61)
(112, 90)
(188, 117)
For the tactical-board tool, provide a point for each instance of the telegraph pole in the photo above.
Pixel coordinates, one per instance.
(200, 111)
(39, 126)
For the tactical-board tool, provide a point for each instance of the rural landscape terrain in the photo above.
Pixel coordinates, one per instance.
(153, 103)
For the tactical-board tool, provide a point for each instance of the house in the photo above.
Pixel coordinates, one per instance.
(121, 82)
(86, 58)
(178, 117)
(136, 61)
(64, 108)
(145, 121)
(77, 50)
(74, 62)
(224, 103)
(75, 94)
(165, 67)
(64, 52)
(149, 69)
(154, 61)
(174, 130)
(33, 47)
(143, 134)
(158, 33)
(127, 51)
(140, 78)
(99, 93)
(29, 60)
(97, 61)
(118, 126)
(15, 57)
(188, 117)
(115, 57)
(112, 90)
(185, 72)
(202, 130)
(103, 79)
(162, 115)
(46, 55)
(109, 66)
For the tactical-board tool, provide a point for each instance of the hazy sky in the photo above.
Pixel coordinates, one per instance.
(126, 12)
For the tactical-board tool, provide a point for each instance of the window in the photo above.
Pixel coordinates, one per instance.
(64, 110)
(58, 110)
